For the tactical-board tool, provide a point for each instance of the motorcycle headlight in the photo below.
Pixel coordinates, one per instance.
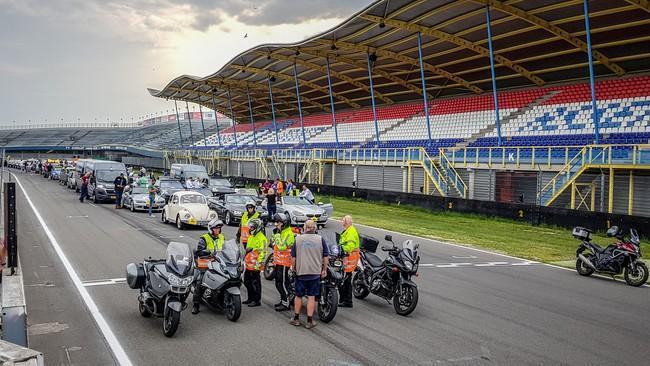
(408, 265)
(338, 263)
(178, 281)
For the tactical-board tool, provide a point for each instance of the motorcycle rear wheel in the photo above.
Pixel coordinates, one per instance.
(583, 269)
(327, 311)
(171, 321)
(405, 304)
(232, 305)
(636, 279)
(359, 289)
(269, 268)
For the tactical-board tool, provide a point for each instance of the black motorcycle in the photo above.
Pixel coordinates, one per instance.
(390, 278)
(620, 257)
(328, 301)
(221, 280)
(164, 285)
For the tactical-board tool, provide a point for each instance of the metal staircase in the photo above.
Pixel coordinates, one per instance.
(440, 172)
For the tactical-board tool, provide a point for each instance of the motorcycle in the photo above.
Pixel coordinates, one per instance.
(390, 278)
(328, 301)
(164, 285)
(620, 257)
(221, 280)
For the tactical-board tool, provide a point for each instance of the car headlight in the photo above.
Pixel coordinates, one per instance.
(100, 186)
(237, 213)
(187, 215)
(297, 213)
(177, 281)
(213, 215)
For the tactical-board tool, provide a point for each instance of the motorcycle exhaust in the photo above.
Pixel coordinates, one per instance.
(586, 261)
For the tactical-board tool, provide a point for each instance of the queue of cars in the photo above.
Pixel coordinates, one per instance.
(179, 203)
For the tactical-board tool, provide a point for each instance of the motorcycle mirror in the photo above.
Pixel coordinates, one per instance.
(388, 238)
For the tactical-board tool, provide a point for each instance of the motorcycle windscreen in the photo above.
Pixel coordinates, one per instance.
(230, 252)
(179, 258)
(410, 250)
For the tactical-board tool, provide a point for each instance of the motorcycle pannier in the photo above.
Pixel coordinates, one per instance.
(135, 275)
(368, 243)
(581, 233)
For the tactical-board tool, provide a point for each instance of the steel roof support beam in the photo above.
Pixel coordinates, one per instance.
(592, 82)
(407, 60)
(552, 29)
(205, 138)
(372, 99)
(250, 109)
(302, 121)
(313, 66)
(458, 41)
(495, 97)
(189, 120)
(289, 78)
(275, 125)
(232, 117)
(359, 65)
(424, 88)
(216, 119)
(329, 86)
(178, 121)
(643, 4)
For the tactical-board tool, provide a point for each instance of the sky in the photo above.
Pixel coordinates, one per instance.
(93, 60)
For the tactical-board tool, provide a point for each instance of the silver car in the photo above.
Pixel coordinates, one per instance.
(301, 209)
(137, 198)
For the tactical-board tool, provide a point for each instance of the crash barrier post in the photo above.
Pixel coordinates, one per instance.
(532, 214)
(13, 354)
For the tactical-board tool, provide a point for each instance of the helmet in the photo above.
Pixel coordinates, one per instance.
(250, 203)
(614, 231)
(283, 218)
(214, 224)
(255, 225)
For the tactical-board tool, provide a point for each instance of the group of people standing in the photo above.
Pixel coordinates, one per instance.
(306, 254)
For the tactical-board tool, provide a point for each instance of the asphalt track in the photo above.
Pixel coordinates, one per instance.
(475, 307)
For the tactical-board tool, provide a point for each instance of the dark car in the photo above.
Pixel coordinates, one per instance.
(167, 187)
(231, 207)
(220, 186)
(207, 192)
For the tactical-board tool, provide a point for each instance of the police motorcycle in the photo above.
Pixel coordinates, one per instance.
(328, 300)
(390, 278)
(164, 285)
(221, 280)
(620, 257)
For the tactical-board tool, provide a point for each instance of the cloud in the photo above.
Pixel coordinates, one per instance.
(14, 70)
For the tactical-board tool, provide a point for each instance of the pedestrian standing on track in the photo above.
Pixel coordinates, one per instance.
(152, 195)
(283, 241)
(85, 179)
(279, 187)
(309, 259)
(349, 243)
(271, 198)
(255, 254)
(120, 183)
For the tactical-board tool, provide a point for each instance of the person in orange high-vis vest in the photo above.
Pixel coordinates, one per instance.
(349, 243)
(255, 254)
(283, 240)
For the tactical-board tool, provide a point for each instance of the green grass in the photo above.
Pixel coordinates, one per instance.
(539, 243)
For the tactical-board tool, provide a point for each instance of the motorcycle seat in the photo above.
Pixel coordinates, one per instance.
(373, 260)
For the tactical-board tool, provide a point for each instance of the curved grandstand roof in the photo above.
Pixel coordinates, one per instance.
(535, 42)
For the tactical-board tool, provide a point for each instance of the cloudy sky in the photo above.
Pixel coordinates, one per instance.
(93, 59)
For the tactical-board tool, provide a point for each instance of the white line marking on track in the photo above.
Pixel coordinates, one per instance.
(486, 264)
(118, 352)
(110, 281)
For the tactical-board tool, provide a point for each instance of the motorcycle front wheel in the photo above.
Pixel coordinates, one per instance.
(359, 289)
(143, 310)
(171, 321)
(582, 268)
(232, 305)
(406, 300)
(328, 305)
(269, 268)
(637, 278)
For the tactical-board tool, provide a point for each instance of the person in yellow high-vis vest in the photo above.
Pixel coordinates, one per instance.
(349, 243)
(249, 214)
(209, 243)
(255, 254)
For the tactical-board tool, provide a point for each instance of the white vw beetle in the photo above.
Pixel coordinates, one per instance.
(188, 208)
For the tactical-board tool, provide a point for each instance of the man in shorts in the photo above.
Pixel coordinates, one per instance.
(309, 259)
